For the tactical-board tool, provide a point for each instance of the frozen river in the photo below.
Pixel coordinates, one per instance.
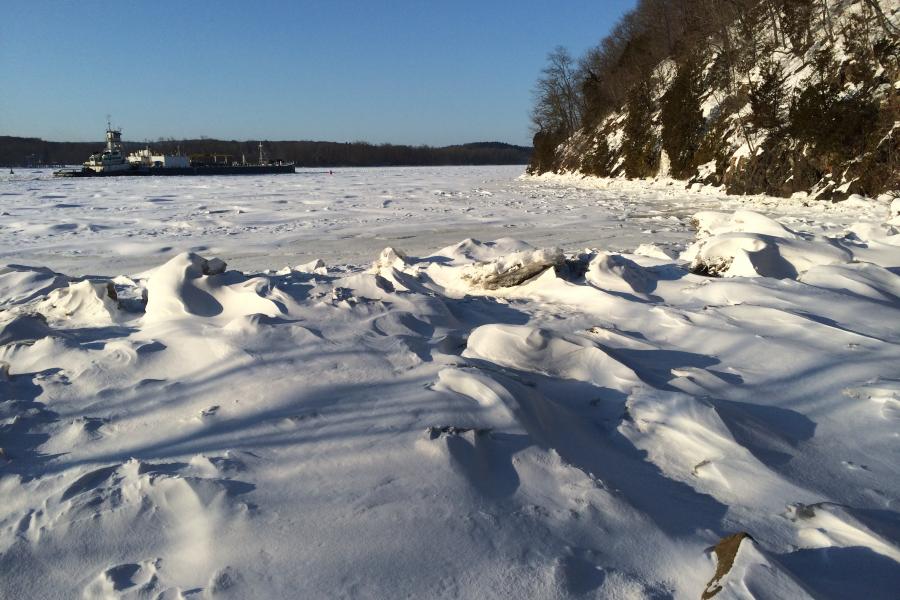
(122, 225)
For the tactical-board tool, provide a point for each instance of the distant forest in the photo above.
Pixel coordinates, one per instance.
(20, 151)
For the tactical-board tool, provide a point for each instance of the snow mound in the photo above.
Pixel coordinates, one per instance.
(826, 524)
(512, 269)
(471, 250)
(747, 244)
(82, 303)
(616, 273)
(884, 393)
(190, 286)
(481, 388)
(188, 512)
(742, 567)
(541, 351)
(251, 324)
(884, 233)
(24, 328)
(711, 223)
(687, 438)
(20, 284)
(860, 278)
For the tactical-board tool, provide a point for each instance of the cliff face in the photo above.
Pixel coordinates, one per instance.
(798, 104)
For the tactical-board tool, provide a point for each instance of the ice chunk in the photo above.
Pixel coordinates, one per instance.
(390, 257)
(214, 266)
(316, 266)
(513, 269)
(654, 251)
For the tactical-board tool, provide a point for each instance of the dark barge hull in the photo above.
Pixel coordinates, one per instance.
(206, 170)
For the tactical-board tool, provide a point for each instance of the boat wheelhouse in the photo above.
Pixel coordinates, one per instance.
(111, 158)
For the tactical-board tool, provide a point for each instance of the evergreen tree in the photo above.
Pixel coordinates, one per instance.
(767, 98)
(596, 161)
(682, 119)
(832, 120)
(638, 145)
(796, 23)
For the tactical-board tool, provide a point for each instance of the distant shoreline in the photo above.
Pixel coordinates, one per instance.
(35, 152)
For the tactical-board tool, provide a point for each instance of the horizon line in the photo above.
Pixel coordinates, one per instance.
(216, 139)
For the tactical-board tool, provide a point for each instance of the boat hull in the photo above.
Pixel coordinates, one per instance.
(170, 171)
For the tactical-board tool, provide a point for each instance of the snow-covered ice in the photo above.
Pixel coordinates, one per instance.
(445, 382)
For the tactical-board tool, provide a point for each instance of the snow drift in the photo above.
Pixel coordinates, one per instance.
(491, 419)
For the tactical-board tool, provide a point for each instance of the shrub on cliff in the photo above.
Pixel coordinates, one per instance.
(544, 156)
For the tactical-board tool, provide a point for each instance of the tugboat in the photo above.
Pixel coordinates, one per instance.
(111, 161)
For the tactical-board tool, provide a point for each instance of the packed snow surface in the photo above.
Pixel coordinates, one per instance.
(308, 387)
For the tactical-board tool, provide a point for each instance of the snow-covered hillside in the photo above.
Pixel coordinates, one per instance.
(574, 409)
(790, 98)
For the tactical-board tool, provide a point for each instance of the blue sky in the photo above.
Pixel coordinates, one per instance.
(426, 72)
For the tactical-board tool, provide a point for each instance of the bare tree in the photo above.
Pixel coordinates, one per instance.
(557, 105)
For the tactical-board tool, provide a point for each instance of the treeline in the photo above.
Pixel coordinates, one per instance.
(19, 151)
(806, 87)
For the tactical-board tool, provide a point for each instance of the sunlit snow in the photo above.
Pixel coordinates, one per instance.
(444, 382)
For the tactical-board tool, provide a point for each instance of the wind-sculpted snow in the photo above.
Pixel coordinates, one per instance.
(490, 419)
(750, 244)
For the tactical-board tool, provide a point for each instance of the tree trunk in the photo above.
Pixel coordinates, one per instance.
(889, 28)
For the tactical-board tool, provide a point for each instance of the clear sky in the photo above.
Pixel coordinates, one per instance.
(412, 72)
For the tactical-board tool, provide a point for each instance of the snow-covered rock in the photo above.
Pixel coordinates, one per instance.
(512, 269)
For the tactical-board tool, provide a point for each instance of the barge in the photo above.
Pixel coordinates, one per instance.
(112, 162)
